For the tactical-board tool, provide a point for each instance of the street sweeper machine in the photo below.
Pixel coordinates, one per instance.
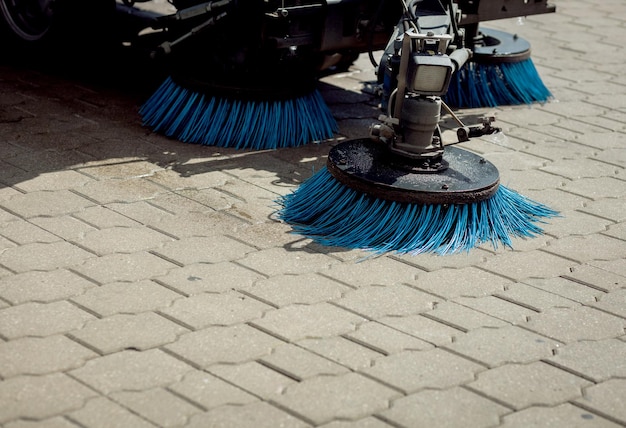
(243, 74)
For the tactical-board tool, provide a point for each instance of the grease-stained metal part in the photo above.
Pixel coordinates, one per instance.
(458, 177)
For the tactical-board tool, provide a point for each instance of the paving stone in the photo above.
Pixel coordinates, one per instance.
(104, 413)
(131, 370)
(157, 405)
(597, 277)
(360, 423)
(299, 363)
(209, 391)
(535, 298)
(308, 321)
(205, 222)
(432, 408)
(381, 271)
(342, 351)
(46, 203)
(497, 308)
(41, 397)
(309, 288)
(595, 360)
(41, 319)
(205, 310)
(567, 289)
(521, 386)
(612, 267)
(375, 302)
(322, 399)
(125, 331)
(103, 217)
(561, 415)
(450, 283)
(426, 329)
(43, 256)
(276, 261)
(124, 267)
(498, 346)
(606, 399)
(202, 249)
(434, 262)
(42, 286)
(54, 422)
(577, 223)
(516, 265)
(24, 232)
(584, 249)
(39, 356)
(209, 278)
(120, 190)
(121, 240)
(613, 302)
(571, 325)
(65, 226)
(254, 415)
(462, 317)
(597, 188)
(412, 371)
(611, 209)
(126, 297)
(386, 340)
(232, 344)
(54, 180)
(251, 376)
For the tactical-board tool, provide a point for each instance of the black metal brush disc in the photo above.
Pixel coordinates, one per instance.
(369, 167)
(495, 46)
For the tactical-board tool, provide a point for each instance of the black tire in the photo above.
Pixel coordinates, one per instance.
(59, 29)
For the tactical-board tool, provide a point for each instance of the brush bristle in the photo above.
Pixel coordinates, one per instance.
(491, 85)
(194, 117)
(334, 215)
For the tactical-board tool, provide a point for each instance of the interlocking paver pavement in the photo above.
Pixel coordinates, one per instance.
(144, 282)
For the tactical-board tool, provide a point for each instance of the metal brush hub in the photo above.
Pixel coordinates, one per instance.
(369, 167)
(495, 46)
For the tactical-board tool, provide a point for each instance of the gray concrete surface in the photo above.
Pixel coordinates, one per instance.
(144, 282)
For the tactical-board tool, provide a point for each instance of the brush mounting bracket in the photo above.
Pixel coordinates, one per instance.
(458, 177)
